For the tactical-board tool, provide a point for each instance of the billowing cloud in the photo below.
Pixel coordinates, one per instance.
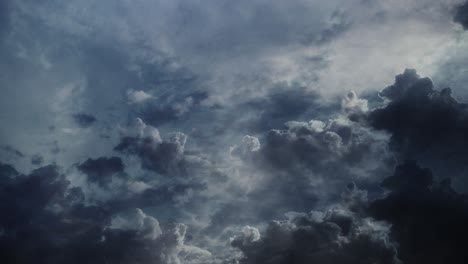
(162, 156)
(425, 124)
(173, 132)
(48, 223)
(334, 236)
(428, 218)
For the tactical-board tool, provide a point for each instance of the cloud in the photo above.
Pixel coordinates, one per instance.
(318, 145)
(427, 217)
(353, 106)
(334, 236)
(162, 156)
(302, 166)
(261, 76)
(461, 15)
(249, 144)
(48, 222)
(424, 123)
(102, 169)
(138, 96)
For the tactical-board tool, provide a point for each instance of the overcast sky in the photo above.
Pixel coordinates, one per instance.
(249, 131)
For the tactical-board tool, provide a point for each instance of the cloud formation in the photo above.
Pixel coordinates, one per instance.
(101, 169)
(335, 236)
(461, 15)
(162, 156)
(424, 123)
(173, 132)
(47, 222)
(428, 218)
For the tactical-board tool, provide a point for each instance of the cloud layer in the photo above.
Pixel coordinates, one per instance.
(215, 132)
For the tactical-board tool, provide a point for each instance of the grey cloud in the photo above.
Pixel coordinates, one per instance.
(306, 164)
(428, 217)
(334, 236)
(317, 145)
(102, 169)
(461, 15)
(161, 156)
(217, 71)
(424, 123)
(48, 223)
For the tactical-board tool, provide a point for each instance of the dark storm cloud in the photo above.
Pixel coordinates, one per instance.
(424, 123)
(428, 218)
(43, 187)
(102, 169)
(461, 15)
(45, 221)
(306, 164)
(84, 120)
(182, 66)
(336, 236)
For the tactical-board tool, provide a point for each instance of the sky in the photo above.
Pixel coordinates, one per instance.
(240, 132)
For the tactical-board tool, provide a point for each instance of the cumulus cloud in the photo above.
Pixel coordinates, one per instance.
(317, 145)
(424, 123)
(333, 236)
(303, 165)
(254, 87)
(162, 156)
(353, 106)
(49, 223)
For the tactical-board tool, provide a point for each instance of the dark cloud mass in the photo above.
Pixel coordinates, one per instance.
(428, 218)
(334, 236)
(233, 132)
(461, 15)
(425, 124)
(46, 222)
